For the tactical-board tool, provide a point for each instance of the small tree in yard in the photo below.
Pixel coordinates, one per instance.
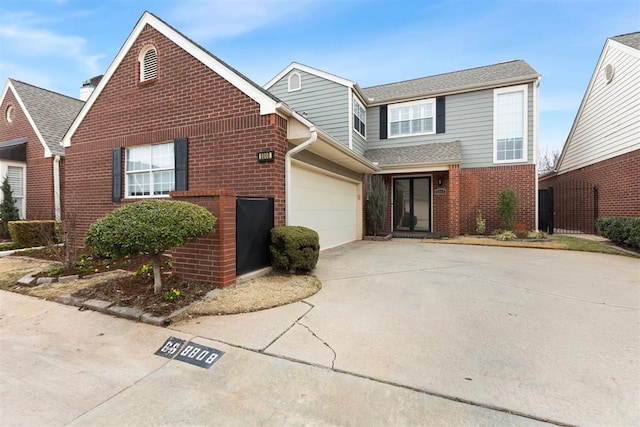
(8, 209)
(377, 204)
(507, 209)
(150, 227)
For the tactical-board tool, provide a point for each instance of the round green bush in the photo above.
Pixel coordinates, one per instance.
(294, 248)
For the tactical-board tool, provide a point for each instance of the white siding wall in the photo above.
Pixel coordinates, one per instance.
(609, 123)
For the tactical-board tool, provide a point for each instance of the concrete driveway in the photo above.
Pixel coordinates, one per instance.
(402, 333)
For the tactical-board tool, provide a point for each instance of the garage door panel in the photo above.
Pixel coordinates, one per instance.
(326, 204)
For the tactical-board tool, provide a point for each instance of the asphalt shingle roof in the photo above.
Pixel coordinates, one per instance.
(52, 112)
(423, 154)
(631, 39)
(449, 82)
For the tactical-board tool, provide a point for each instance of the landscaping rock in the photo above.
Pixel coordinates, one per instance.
(97, 305)
(125, 312)
(63, 279)
(27, 280)
(70, 300)
(155, 320)
(46, 280)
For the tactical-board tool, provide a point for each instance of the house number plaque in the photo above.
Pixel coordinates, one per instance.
(189, 352)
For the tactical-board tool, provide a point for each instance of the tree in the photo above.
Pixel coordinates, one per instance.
(8, 209)
(507, 209)
(376, 205)
(547, 161)
(150, 227)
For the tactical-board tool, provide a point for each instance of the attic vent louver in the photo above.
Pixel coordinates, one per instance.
(149, 64)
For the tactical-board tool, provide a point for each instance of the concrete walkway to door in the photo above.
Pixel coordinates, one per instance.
(551, 335)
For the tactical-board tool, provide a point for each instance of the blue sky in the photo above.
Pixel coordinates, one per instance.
(56, 44)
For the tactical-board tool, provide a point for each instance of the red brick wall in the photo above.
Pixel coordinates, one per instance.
(39, 203)
(187, 99)
(618, 182)
(479, 190)
(215, 255)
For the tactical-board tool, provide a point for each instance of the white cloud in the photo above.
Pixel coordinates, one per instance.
(27, 36)
(206, 20)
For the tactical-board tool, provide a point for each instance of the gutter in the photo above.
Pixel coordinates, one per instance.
(287, 170)
(56, 188)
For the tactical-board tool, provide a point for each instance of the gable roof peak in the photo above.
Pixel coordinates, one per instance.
(629, 39)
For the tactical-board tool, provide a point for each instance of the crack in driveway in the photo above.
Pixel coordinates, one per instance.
(333, 361)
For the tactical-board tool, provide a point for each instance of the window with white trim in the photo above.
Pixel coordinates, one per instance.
(148, 63)
(412, 118)
(359, 117)
(150, 170)
(10, 113)
(15, 177)
(295, 82)
(510, 124)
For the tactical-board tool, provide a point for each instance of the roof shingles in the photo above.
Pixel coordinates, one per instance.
(51, 112)
(422, 154)
(496, 74)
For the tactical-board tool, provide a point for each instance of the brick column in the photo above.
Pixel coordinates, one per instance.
(210, 258)
(454, 200)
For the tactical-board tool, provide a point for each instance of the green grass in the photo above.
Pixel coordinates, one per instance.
(578, 244)
(7, 246)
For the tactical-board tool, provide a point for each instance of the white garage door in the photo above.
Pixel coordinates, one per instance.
(327, 204)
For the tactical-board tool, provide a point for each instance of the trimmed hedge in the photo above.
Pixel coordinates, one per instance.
(294, 248)
(28, 234)
(622, 231)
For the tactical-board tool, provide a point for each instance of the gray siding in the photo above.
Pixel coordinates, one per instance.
(468, 119)
(359, 144)
(325, 102)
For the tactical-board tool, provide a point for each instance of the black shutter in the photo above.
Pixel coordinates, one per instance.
(116, 174)
(440, 114)
(383, 122)
(181, 155)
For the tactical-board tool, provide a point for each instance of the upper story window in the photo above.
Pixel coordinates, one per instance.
(150, 170)
(359, 117)
(412, 118)
(148, 63)
(10, 113)
(510, 124)
(295, 82)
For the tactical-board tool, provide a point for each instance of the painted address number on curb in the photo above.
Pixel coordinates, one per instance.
(195, 354)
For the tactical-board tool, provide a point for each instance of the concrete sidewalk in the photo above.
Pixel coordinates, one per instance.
(402, 333)
(61, 366)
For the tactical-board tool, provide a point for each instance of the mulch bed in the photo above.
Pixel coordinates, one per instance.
(132, 291)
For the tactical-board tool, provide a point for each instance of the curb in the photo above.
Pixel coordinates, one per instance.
(109, 307)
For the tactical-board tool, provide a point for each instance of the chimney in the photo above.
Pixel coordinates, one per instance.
(88, 86)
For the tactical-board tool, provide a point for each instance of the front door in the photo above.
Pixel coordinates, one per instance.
(412, 204)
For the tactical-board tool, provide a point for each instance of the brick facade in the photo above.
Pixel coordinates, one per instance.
(39, 173)
(617, 181)
(466, 190)
(224, 128)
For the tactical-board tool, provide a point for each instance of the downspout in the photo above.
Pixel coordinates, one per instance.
(287, 170)
(56, 188)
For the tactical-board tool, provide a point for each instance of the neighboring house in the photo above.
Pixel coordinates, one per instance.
(171, 120)
(33, 122)
(446, 144)
(602, 150)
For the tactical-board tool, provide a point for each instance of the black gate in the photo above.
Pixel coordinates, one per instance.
(254, 221)
(545, 210)
(569, 207)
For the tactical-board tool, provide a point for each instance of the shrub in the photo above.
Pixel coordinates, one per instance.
(150, 227)
(28, 234)
(622, 231)
(536, 235)
(294, 248)
(8, 209)
(481, 225)
(376, 205)
(507, 208)
(506, 235)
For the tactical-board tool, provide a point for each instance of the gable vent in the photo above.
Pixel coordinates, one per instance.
(149, 65)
